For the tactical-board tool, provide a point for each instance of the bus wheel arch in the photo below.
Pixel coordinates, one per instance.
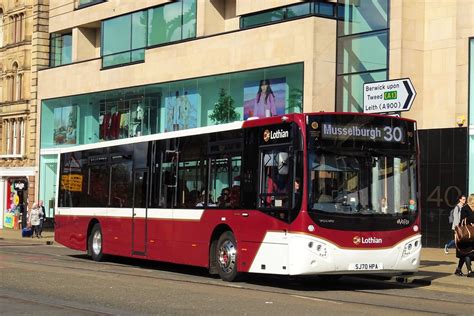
(218, 231)
(95, 241)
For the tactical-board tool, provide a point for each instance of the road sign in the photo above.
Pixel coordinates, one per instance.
(388, 96)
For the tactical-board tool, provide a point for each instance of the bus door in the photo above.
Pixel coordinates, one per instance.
(140, 211)
(276, 179)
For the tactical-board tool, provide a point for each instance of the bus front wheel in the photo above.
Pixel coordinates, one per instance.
(95, 243)
(226, 257)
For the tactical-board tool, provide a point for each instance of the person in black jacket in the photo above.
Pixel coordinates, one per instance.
(42, 218)
(465, 250)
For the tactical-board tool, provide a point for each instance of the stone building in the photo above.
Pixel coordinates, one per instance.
(23, 50)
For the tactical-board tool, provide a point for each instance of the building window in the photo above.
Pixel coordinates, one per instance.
(315, 7)
(172, 22)
(2, 85)
(60, 50)
(362, 50)
(1, 27)
(166, 107)
(14, 137)
(17, 27)
(87, 3)
(125, 38)
(16, 83)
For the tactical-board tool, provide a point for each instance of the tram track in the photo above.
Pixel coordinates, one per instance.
(292, 289)
(40, 304)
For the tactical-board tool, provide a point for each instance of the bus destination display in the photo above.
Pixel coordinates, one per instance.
(360, 132)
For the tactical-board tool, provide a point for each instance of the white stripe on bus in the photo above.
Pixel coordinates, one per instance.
(153, 213)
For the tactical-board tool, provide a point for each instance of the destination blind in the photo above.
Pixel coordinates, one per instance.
(374, 133)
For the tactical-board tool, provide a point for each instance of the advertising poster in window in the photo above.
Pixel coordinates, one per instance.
(181, 110)
(65, 124)
(264, 98)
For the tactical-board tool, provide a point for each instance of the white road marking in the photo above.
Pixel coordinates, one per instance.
(316, 299)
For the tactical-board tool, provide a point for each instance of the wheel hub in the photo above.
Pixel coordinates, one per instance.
(227, 255)
(97, 242)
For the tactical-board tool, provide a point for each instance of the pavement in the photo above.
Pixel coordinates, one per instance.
(436, 269)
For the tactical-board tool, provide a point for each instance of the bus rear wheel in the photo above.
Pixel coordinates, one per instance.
(95, 243)
(226, 257)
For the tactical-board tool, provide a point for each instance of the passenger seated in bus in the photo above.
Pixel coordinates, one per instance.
(224, 199)
(210, 201)
(194, 199)
(234, 197)
(200, 199)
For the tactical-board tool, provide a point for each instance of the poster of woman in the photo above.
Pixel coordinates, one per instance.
(264, 98)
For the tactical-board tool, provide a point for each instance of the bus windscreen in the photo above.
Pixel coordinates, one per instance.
(362, 168)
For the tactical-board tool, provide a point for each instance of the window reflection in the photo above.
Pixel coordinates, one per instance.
(362, 184)
(166, 107)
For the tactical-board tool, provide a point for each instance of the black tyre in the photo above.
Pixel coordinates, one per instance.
(95, 243)
(226, 257)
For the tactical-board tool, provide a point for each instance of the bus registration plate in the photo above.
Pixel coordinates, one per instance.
(365, 266)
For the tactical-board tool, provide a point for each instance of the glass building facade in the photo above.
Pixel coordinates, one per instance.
(362, 56)
(315, 7)
(125, 37)
(362, 49)
(158, 108)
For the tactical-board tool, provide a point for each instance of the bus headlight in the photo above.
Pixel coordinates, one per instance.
(411, 247)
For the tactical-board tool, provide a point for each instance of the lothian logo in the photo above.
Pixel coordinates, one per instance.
(266, 135)
(357, 240)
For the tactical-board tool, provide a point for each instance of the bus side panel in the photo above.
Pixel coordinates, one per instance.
(191, 244)
(71, 231)
(254, 229)
(191, 238)
(158, 240)
(117, 235)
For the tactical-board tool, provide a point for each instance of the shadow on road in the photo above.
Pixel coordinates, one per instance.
(300, 283)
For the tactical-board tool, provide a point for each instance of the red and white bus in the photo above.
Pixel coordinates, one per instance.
(300, 194)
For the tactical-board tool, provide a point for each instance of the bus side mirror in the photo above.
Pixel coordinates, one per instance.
(282, 160)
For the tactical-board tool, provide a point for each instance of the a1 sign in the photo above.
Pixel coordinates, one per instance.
(388, 96)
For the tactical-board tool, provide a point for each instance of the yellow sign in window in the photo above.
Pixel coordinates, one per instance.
(72, 182)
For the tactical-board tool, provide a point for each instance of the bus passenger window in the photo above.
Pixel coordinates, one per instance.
(224, 186)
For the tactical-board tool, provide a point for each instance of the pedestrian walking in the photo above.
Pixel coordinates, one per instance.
(465, 250)
(455, 217)
(42, 217)
(35, 215)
